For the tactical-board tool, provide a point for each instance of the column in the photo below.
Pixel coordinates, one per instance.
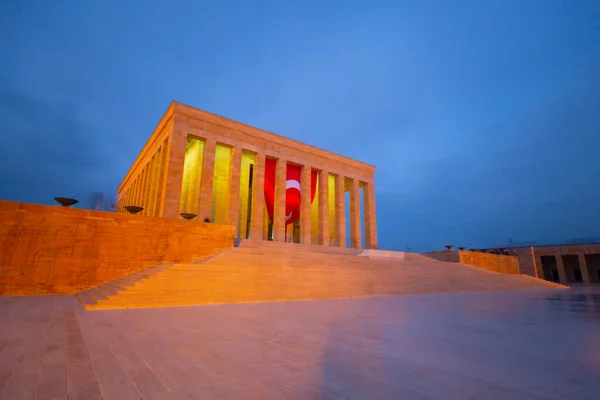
(144, 201)
(258, 197)
(370, 216)
(585, 274)
(324, 207)
(234, 188)
(562, 274)
(162, 177)
(305, 217)
(134, 197)
(173, 170)
(155, 179)
(537, 264)
(151, 185)
(355, 237)
(279, 206)
(206, 182)
(340, 211)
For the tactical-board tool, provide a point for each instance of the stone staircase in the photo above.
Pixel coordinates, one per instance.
(268, 271)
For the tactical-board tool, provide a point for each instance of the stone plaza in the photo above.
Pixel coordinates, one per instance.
(527, 345)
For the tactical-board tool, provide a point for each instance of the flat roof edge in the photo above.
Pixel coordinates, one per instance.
(179, 105)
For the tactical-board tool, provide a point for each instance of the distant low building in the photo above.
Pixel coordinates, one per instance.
(562, 263)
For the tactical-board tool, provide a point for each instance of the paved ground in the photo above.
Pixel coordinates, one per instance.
(507, 345)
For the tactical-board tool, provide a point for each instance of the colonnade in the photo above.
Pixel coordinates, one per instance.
(201, 195)
(570, 266)
(146, 188)
(225, 183)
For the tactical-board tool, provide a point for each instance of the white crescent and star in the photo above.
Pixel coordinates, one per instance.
(292, 184)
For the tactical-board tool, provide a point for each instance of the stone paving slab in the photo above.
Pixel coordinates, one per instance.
(501, 345)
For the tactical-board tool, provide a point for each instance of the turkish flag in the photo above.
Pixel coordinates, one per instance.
(270, 165)
(292, 189)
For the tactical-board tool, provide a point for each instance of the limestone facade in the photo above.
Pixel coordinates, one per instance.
(205, 164)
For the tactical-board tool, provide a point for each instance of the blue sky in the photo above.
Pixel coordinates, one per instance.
(482, 117)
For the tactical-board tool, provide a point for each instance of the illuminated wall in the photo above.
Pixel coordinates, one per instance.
(314, 217)
(192, 173)
(295, 231)
(62, 250)
(221, 185)
(331, 208)
(247, 161)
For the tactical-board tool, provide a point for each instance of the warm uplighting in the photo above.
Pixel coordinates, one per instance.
(192, 173)
(221, 183)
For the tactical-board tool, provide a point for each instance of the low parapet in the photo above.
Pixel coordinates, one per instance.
(382, 254)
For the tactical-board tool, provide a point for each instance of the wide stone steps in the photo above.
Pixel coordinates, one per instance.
(291, 272)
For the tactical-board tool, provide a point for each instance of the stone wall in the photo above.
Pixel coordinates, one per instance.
(444, 255)
(492, 262)
(59, 250)
(526, 261)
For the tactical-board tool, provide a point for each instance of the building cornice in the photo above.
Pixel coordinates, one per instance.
(227, 123)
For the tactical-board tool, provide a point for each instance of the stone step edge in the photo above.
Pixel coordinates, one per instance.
(86, 297)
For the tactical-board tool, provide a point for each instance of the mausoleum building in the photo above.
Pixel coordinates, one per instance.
(267, 186)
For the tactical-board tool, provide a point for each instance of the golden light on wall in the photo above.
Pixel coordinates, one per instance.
(192, 173)
(314, 216)
(221, 185)
(244, 215)
(331, 208)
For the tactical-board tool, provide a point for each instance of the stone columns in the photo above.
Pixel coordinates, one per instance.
(134, 192)
(162, 176)
(537, 264)
(206, 182)
(305, 217)
(355, 237)
(146, 188)
(370, 219)
(585, 274)
(340, 211)
(562, 274)
(173, 174)
(153, 181)
(279, 204)
(234, 188)
(324, 207)
(258, 197)
(142, 180)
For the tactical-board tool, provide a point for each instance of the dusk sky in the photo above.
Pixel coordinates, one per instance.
(482, 117)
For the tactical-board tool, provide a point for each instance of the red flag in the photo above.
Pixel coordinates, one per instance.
(292, 189)
(292, 193)
(270, 165)
(313, 185)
